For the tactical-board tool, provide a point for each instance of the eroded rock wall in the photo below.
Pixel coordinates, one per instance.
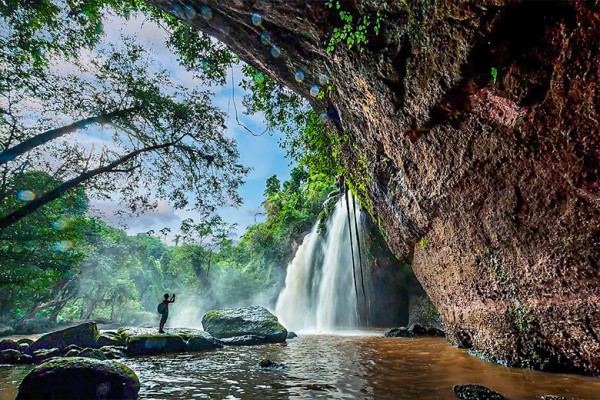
(488, 182)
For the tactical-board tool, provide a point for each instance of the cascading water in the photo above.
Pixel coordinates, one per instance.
(319, 293)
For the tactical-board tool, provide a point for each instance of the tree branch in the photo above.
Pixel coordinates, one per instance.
(55, 193)
(45, 137)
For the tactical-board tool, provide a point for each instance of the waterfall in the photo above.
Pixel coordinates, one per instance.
(319, 292)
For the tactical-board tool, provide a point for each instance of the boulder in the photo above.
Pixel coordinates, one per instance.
(6, 330)
(270, 365)
(113, 352)
(255, 321)
(72, 347)
(92, 353)
(26, 359)
(291, 335)
(246, 340)
(110, 339)
(72, 353)
(23, 347)
(398, 332)
(83, 335)
(476, 392)
(39, 356)
(147, 341)
(202, 341)
(26, 341)
(155, 344)
(10, 356)
(417, 330)
(8, 344)
(80, 378)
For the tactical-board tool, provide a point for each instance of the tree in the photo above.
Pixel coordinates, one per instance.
(273, 186)
(40, 253)
(165, 140)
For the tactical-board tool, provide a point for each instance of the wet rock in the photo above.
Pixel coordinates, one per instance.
(113, 352)
(110, 339)
(155, 344)
(83, 335)
(268, 364)
(72, 353)
(26, 359)
(291, 335)
(39, 356)
(433, 331)
(80, 378)
(6, 330)
(10, 356)
(417, 330)
(92, 353)
(550, 397)
(147, 341)
(245, 321)
(72, 347)
(8, 344)
(26, 341)
(201, 342)
(401, 332)
(476, 392)
(23, 347)
(246, 340)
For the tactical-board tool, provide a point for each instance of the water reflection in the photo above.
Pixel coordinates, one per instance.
(335, 367)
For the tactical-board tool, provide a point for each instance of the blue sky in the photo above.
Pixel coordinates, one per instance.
(261, 153)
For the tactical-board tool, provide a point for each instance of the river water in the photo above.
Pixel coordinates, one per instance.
(359, 366)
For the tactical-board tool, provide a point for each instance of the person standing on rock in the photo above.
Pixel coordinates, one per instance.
(163, 310)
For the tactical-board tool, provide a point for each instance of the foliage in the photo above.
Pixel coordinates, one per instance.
(42, 249)
(350, 33)
(162, 141)
(494, 73)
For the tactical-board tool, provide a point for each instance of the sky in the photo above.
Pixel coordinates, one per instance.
(261, 153)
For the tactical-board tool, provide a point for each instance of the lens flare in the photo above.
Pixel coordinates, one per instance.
(59, 224)
(265, 38)
(275, 51)
(314, 90)
(26, 195)
(178, 11)
(206, 12)
(299, 75)
(190, 12)
(64, 245)
(256, 18)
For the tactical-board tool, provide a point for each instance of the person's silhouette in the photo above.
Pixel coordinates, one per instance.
(163, 310)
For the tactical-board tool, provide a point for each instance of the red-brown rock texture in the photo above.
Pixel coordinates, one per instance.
(491, 188)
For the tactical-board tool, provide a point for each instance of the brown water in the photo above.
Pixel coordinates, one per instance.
(335, 367)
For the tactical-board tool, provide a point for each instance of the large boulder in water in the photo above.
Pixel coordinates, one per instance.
(83, 335)
(79, 378)
(141, 341)
(246, 321)
(476, 392)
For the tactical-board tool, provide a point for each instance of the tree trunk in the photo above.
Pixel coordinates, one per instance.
(472, 129)
(45, 137)
(55, 193)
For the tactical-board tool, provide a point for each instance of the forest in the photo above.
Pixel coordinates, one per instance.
(427, 225)
(156, 140)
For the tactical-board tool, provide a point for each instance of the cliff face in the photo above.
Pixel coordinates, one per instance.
(487, 180)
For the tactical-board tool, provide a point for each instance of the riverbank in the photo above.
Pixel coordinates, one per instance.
(334, 366)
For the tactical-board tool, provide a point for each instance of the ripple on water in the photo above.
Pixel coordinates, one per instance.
(334, 367)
